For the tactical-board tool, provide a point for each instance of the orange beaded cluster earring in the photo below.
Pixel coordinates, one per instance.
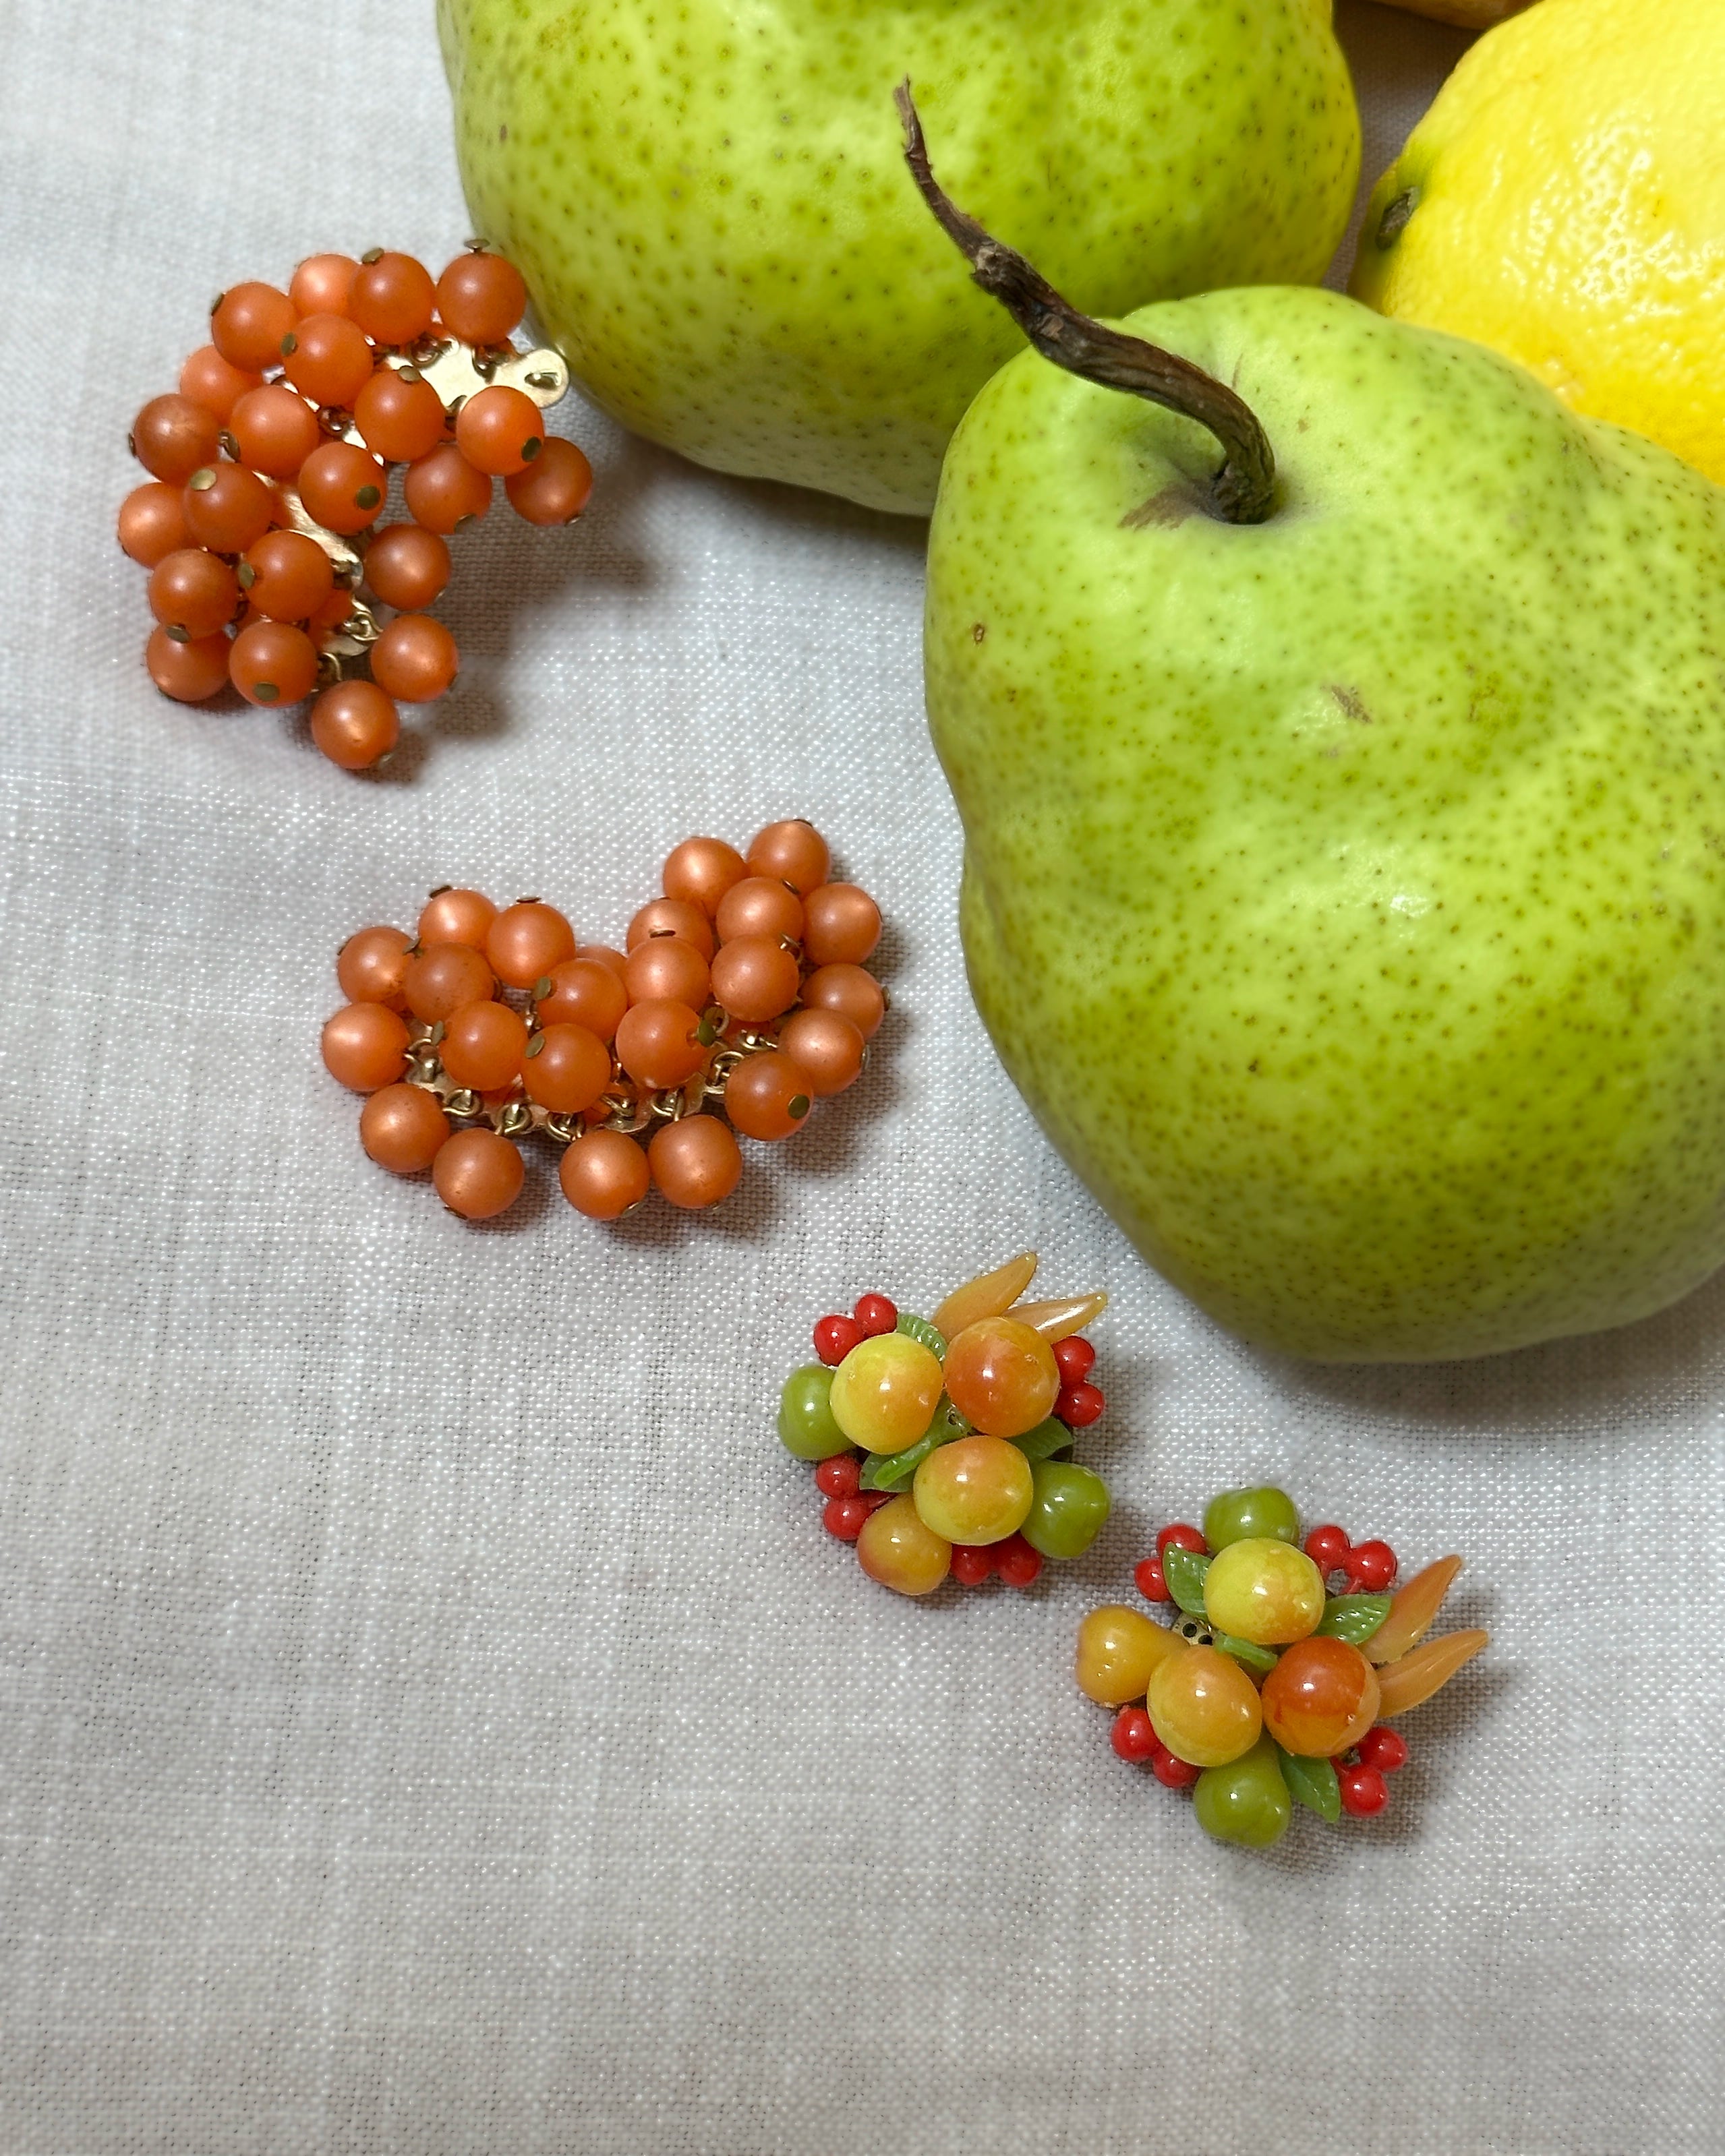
(270, 468)
(741, 998)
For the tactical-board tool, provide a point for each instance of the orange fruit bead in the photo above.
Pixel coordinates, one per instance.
(355, 724)
(152, 523)
(482, 1045)
(371, 967)
(793, 852)
(478, 1174)
(840, 925)
(452, 915)
(584, 993)
(1321, 1698)
(443, 491)
(248, 323)
(326, 357)
(274, 431)
(767, 1096)
(287, 576)
(526, 940)
(658, 1044)
(227, 507)
(188, 672)
(442, 978)
(665, 967)
(1001, 1376)
(754, 979)
(392, 297)
(172, 437)
(554, 488)
(402, 1128)
(365, 1047)
(400, 415)
(671, 916)
(193, 593)
(566, 1068)
(897, 1550)
(215, 382)
(271, 662)
(827, 1048)
(694, 1162)
(758, 906)
(406, 566)
(480, 297)
(700, 871)
(849, 991)
(603, 1173)
(415, 658)
(342, 486)
(322, 282)
(499, 430)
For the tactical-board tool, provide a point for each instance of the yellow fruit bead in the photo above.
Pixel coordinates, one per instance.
(885, 1392)
(974, 1490)
(1266, 1591)
(896, 1549)
(1204, 1708)
(1119, 1651)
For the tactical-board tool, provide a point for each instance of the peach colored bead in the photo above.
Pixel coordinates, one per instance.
(287, 576)
(443, 491)
(402, 1128)
(480, 297)
(695, 1162)
(666, 968)
(499, 430)
(826, 1048)
(191, 672)
(554, 488)
(566, 1068)
(322, 282)
(194, 592)
(355, 724)
(274, 431)
(658, 1044)
(371, 967)
(215, 382)
(840, 925)
(483, 1044)
(456, 915)
(272, 663)
(758, 906)
(604, 1174)
(171, 438)
(478, 1174)
(442, 978)
(248, 323)
(672, 917)
(365, 1046)
(342, 486)
(754, 979)
(793, 852)
(392, 297)
(766, 1096)
(583, 992)
(399, 415)
(526, 940)
(415, 658)
(700, 871)
(152, 524)
(851, 991)
(407, 565)
(603, 955)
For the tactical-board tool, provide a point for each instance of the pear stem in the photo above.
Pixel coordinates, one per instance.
(1243, 490)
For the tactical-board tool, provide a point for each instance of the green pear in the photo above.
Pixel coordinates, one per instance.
(707, 201)
(1344, 889)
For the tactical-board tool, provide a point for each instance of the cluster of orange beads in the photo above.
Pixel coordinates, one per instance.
(740, 998)
(270, 468)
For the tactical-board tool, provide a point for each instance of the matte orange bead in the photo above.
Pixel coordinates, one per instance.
(194, 592)
(478, 1174)
(851, 991)
(840, 925)
(342, 486)
(365, 1046)
(793, 851)
(226, 507)
(372, 966)
(666, 967)
(415, 658)
(443, 491)
(758, 906)
(482, 1045)
(658, 1044)
(827, 1048)
(442, 978)
(554, 488)
(290, 575)
(671, 916)
(270, 662)
(248, 323)
(191, 672)
(327, 357)
(526, 940)
(392, 298)
(457, 916)
(695, 1162)
(406, 566)
(480, 297)
(322, 282)
(274, 431)
(700, 871)
(767, 1096)
(400, 415)
(215, 382)
(402, 1128)
(499, 430)
(754, 979)
(566, 1068)
(355, 724)
(603, 1173)
(585, 993)
(152, 523)
(171, 438)
(603, 955)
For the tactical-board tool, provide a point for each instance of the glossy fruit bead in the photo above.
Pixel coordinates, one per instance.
(1119, 1651)
(846, 1518)
(671, 916)
(581, 991)
(1371, 1566)
(455, 915)
(835, 1338)
(355, 724)
(1132, 1737)
(841, 1474)
(194, 592)
(321, 283)
(1385, 1749)
(695, 1162)
(526, 940)
(444, 492)
(826, 1048)
(1413, 1679)
(191, 672)
(659, 1043)
(565, 1068)
(1171, 1773)
(989, 1295)
(766, 1096)
(898, 1549)
(1002, 1377)
(365, 1047)
(758, 906)
(885, 1392)
(754, 979)
(1147, 1577)
(402, 1128)
(215, 382)
(442, 978)
(1179, 1534)
(850, 991)
(342, 486)
(971, 1566)
(406, 566)
(976, 1490)
(875, 1314)
(1074, 1357)
(805, 1424)
(483, 1044)
(1204, 1707)
(392, 297)
(840, 925)
(1327, 1547)
(700, 871)
(1264, 1590)
(226, 507)
(248, 323)
(603, 1174)
(286, 576)
(1362, 1789)
(499, 430)
(152, 524)
(271, 662)
(554, 488)
(478, 1174)
(371, 967)
(1017, 1563)
(400, 416)
(1319, 1698)
(415, 660)
(1068, 1508)
(1255, 1515)
(274, 431)
(480, 297)
(1245, 1800)
(666, 965)
(793, 851)
(1077, 1406)
(1412, 1611)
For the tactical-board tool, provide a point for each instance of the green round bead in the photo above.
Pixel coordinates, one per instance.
(1068, 1506)
(1246, 1801)
(1238, 1515)
(805, 1424)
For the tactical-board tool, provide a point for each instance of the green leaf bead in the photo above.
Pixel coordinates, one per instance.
(1238, 1515)
(805, 1424)
(919, 1328)
(1183, 1571)
(1312, 1783)
(1246, 1801)
(1354, 1617)
(1048, 1437)
(1247, 1652)
(1068, 1506)
(897, 1471)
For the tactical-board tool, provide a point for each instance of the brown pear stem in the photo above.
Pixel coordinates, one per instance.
(1243, 490)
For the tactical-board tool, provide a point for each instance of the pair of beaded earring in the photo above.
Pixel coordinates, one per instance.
(271, 467)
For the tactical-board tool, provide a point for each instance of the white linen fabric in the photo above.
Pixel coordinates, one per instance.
(432, 1719)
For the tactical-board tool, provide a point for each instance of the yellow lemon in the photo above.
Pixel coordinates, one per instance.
(1563, 202)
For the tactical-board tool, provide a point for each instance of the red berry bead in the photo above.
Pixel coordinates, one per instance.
(1179, 1536)
(1132, 1737)
(835, 1338)
(971, 1566)
(840, 1476)
(875, 1314)
(1075, 1358)
(1151, 1585)
(1077, 1406)
(1363, 1791)
(1371, 1566)
(1171, 1773)
(1327, 1547)
(844, 1516)
(1015, 1562)
(1382, 1748)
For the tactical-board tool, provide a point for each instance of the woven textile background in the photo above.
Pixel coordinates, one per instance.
(432, 1721)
